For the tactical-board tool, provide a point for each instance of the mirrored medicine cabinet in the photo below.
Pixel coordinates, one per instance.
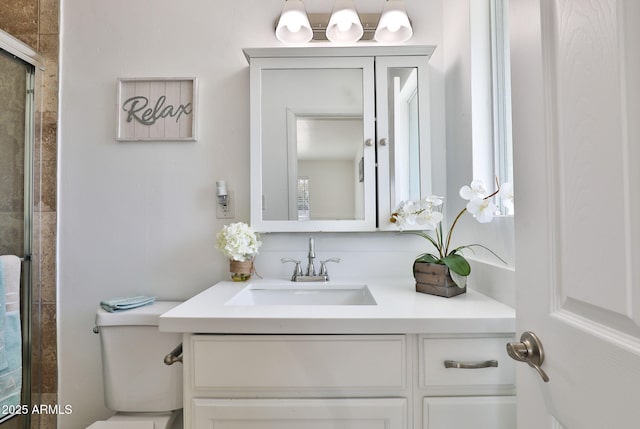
(339, 136)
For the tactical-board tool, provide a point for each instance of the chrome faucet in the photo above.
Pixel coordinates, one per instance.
(310, 274)
(311, 270)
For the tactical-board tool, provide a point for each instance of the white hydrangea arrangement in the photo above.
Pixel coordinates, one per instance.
(427, 215)
(238, 241)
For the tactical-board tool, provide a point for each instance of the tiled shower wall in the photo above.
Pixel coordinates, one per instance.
(36, 23)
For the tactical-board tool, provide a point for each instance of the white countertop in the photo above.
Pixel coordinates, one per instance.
(399, 309)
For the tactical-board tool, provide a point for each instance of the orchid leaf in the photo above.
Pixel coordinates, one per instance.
(424, 235)
(429, 258)
(460, 281)
(458, 264)
(470, 247)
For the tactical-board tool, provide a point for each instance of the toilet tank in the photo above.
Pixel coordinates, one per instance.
(133, 349)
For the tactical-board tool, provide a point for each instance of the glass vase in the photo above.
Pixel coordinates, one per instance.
(241, 271)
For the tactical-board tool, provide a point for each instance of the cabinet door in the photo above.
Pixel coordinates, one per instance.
(480, 412)
(312, 152)
(300, 413)
(410, 165)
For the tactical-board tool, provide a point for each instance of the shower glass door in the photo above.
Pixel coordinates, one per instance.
(16, 208)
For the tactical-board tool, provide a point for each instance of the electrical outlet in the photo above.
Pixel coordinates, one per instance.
(226, 211)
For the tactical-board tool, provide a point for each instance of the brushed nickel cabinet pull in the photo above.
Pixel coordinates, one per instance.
(174, 356)
(470, 365)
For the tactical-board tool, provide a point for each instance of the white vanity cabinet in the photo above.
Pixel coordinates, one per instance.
(465, 382)
(349, 381)
(296, 381)
(339, 136)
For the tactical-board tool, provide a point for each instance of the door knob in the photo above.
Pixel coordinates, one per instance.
(529, 350)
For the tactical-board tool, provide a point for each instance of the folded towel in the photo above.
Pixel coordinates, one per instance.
(121, 304)
(10, 333)
(11, 376)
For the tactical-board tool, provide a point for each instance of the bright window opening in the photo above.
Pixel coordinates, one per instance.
(501, 79)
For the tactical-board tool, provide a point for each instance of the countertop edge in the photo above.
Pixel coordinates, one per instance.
(401, 310)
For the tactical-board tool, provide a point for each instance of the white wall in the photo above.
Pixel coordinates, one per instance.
(332, 188)
(139, 218)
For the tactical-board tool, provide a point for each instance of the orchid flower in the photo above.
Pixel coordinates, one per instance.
(474, 191)
(427, 214)
(410, 213)
(506, 194)
(482, 209)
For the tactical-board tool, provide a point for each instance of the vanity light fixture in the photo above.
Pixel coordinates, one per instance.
(344, 24)
(394, 25)
(293, 25)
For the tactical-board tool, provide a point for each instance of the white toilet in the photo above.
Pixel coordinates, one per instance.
(144, 392)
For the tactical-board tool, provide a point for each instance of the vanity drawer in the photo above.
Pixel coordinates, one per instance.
(299, 362)
(474, 352)
(361, 413)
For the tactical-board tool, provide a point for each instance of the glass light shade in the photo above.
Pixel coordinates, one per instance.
(394, 25)
(344, 25)
(293, 25)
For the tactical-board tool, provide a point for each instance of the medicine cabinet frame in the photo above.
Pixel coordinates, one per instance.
(373, 62)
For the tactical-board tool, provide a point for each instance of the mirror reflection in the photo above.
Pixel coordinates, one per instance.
(313, 119)
(330, 175)
(404, 135)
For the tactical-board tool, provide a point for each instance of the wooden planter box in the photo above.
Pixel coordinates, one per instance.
(434, 279)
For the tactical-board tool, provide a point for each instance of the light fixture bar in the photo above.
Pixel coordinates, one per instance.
(319, 22)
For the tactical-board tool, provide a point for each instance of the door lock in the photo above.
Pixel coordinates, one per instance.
(530, 351)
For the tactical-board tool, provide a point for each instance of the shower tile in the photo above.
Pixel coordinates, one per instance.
(48, 421)
(35, 421)
(11, 227)
(20, 17)
(49, 16)
(49, 48)
(48, 185)
(36, 347)
(49, 349)
(49, 137)
(48, 259)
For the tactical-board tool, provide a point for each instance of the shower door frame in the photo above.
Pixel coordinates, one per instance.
(22, 52)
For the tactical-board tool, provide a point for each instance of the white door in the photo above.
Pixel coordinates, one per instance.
(576, 124)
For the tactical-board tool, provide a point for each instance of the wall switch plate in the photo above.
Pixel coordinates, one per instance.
(226, 211)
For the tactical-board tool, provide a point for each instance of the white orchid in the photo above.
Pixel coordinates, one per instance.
(506, 195)
(238, 241)
(427, 214)
(474, 191)
(434, 201)
(429, 219)
(482, 210)
(420, 212)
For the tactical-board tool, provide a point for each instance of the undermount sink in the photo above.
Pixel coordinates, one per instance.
(303, 294)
